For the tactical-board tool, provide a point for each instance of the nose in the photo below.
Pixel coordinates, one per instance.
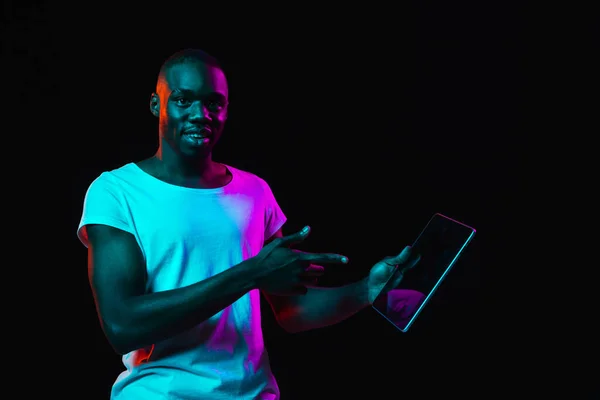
(198, 111)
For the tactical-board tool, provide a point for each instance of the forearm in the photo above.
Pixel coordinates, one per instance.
(153, 317)
(322, 307)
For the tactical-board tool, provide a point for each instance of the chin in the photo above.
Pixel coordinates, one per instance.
(195, 153)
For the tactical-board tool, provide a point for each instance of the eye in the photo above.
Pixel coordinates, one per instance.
(214, 105)
(182, 102)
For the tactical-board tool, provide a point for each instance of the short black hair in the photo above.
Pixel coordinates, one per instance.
(188, 55)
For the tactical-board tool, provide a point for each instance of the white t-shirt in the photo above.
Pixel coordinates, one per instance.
(187, 235)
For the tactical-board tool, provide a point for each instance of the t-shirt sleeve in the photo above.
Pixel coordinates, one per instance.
(103, 204)
(274, 216)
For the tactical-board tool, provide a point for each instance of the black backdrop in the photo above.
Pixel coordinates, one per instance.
(364, 127)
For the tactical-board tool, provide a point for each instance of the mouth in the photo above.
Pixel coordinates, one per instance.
(197, 136)
(198, 132)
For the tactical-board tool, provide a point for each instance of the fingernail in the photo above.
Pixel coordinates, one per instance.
(304, 230)
(344, 260)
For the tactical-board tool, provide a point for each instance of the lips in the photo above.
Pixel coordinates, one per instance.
(200, 132)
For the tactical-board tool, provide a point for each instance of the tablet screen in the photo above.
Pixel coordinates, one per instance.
(439, 244)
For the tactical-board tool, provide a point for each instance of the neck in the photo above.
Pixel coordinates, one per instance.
(177, 166)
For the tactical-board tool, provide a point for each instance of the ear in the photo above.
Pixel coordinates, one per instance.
(155, 105)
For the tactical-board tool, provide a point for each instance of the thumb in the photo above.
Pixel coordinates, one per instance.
(401, 258)
(405, 260)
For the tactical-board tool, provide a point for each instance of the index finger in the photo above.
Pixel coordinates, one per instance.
(324, 258)
(294, 238)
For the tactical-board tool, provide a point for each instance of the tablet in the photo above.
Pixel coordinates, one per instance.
(440, 244)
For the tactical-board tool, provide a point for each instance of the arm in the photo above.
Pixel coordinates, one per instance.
(132, 319)
(319, 307)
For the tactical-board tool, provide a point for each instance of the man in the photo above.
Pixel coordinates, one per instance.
(180, 245)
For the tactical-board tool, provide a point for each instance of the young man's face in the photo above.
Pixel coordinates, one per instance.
(192, 107)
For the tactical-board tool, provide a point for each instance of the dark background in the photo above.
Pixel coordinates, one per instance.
(364, 122)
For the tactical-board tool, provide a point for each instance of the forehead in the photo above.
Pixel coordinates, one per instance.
(197, 77)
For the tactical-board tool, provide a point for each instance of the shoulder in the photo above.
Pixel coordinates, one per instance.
(123, 174)
(112, 181)
(248, 177)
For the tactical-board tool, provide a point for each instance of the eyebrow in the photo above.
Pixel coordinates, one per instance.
(184, 91)
(191, 92)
